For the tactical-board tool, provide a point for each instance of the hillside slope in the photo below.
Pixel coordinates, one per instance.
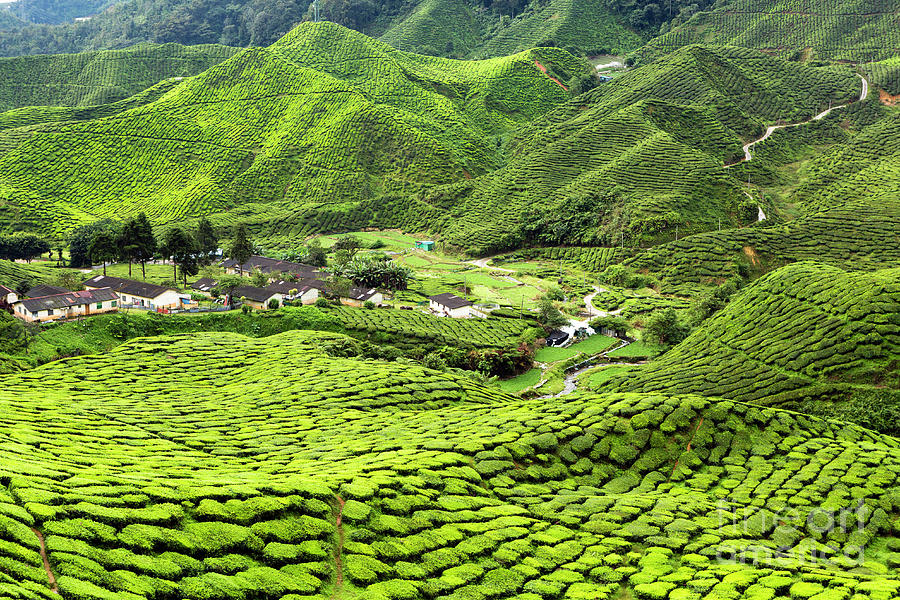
(849, 217)
(99, 77)
(326, 115)
(641, 154)
(806, 335)
(854, 30)
(144, 477)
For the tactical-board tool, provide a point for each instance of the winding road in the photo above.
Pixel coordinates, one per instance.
(747, 147)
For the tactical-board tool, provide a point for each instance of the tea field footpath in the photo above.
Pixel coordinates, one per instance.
(748, 157)
(483, 264)
(588, 303)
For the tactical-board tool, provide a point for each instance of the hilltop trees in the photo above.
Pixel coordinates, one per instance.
(136, 242)
(241, 248)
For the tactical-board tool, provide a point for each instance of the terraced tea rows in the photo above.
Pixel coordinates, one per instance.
(325, 115)
(807, 333)
(213, 466)
(92, 78)
(650, 144)
(409, 327)
(855, 30)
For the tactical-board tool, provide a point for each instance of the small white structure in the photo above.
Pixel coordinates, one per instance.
(307, 291)
(451, 305)
(66, 306)
(256, 297)
(138, 293)
(8, 296)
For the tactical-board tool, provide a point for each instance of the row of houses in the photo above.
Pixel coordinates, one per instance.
(102, 294)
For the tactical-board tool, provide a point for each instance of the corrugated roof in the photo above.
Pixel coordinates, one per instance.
(450, 300)
(68, 299)
(128, 286)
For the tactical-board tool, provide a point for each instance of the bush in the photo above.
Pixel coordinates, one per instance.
(321, 302)
(368, 304)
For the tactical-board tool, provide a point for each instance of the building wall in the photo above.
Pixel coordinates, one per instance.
(456, 313)
(72, 312)
(309, 296)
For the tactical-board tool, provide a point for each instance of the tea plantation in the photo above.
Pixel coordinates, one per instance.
(92, 78)
(807, 335)
(324, 115)
(216, 466)
(855, 30)
(648, 147)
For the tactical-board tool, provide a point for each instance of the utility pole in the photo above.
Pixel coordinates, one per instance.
(316, 11)
(676, 232)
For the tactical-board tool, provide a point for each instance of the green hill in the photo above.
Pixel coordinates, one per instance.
(806, 336)
(92, 78)
(854, 30)
(326, 115)
(849, 217)
(639, 155)
(216, 466)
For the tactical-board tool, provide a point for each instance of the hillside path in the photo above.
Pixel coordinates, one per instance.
(747, 147)
(592, 310)
(483, 264)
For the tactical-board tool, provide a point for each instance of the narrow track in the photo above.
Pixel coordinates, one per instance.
(338, 552)
(51, 578)
(748, 156)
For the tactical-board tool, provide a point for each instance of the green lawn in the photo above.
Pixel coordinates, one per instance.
(592, 345)
(520, 382)
(638, 350)
(393, 240)
(550, 354)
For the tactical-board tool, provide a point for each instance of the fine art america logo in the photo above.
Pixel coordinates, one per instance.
(761, 536)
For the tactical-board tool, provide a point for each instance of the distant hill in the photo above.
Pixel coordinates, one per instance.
(852, 30)
(92, 78)
(806, 336)
(326, 115)
(640, 155)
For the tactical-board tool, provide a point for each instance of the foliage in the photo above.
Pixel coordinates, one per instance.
(241, 248)
(664, 328)
(22, 246)
(376, 271)
(549, 315)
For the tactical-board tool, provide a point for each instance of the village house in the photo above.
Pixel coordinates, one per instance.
(358, 296)
(451, 305)
(307, 291)
(69, 305)
(256, 297)
(204, 286)
(139, 294)
(269, 266)
(8, 297)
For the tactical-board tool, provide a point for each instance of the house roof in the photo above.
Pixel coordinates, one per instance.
(358, 293)
(450, 300)
(45, 290)
(286, 287)
(128, 286)
(5, 290)
(557, 336)
(204, 284)
(68, 299)
(269, 265)
(256, 294)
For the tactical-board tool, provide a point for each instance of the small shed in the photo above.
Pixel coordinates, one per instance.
(450, 305)
(427, 245)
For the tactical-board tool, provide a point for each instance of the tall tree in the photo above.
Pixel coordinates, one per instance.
(80, 241)
(241, 248)
(145, 243)
(127, 244)
(207, 242)
(183, 250)
(104, 247)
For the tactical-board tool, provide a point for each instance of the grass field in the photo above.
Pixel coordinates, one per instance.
(520, 382)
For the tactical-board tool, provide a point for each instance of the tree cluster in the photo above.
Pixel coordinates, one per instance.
(22, 246)
(375, 271)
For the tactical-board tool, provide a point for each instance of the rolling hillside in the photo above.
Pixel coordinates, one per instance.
(142, 478)
(92, 78)
(806, 336)
(642, 154)
(853, 30)
(850, 217)
(326, 115)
